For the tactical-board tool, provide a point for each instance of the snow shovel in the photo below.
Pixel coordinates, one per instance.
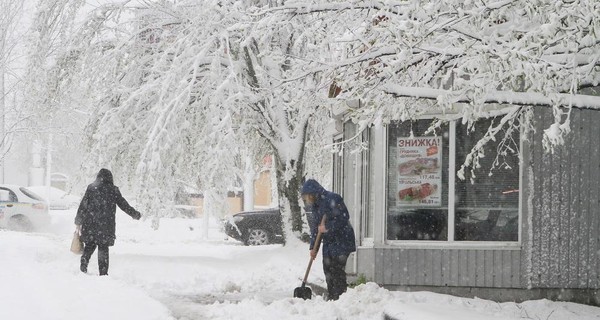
(303, 291)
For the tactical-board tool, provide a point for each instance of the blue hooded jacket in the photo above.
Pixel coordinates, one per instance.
(339, 239)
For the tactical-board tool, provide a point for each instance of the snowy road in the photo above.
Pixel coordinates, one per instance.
(175, 273)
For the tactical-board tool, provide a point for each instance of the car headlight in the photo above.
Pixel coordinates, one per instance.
(238, 218)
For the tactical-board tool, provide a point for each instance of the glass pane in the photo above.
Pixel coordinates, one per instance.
(367, 173)
(417, 182)
(488, 209)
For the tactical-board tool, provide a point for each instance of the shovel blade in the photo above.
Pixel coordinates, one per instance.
(303, 293)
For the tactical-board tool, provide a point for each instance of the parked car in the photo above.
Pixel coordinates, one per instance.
(255, 227)
(59, 199)
(21, 209)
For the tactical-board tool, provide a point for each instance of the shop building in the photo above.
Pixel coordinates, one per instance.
(528, 229)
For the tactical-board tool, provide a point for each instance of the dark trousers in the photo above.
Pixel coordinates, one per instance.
(88, 250)
(335, 275)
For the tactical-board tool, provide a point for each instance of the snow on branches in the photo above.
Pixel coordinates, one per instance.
(182, 89)
(463, 55)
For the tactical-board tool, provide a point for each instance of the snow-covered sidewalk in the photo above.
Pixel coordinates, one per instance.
(176, 273)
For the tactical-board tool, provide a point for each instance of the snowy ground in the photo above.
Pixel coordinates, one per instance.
(174, 273)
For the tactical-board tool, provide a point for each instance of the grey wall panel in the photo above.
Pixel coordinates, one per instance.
(583, 186)
(472, 267)
(578, 232)
(446, 270)
(517, 270)
(553, 198)
(574, 214)
(437, 270)
(463, 263)
(420, 266)
(525, 223)
(454, 268)
(480, 268)
(570, 212)
(593, 202)
(505, 268)
(545, 175)
(379, 267)
(536, 163)
(412, 266)
(388, 267)
(397, 260)
(564, 250)
(366, 262)
(498, 268)
(403, 262)
(448, 267)
(428, 255)
(489, 269)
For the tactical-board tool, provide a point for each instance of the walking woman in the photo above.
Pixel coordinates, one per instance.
(95, 219)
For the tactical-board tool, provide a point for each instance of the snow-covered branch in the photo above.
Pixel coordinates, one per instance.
(501, 97)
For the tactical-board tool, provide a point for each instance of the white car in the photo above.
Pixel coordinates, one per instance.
(59, 199)
(21, 209)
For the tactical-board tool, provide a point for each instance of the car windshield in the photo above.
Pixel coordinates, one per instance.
(30, 194)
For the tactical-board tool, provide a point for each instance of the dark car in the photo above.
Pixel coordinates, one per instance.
(255, 227)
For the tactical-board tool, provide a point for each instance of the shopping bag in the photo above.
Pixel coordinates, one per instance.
(76, 245)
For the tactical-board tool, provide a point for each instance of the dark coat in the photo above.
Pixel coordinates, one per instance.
(96, 213)
(339, 239)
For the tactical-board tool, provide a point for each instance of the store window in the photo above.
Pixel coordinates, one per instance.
(354, 169)
(418, 167)
(417, 175)
(487, 208)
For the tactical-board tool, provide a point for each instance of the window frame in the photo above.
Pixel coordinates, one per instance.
(452, 167)
(366, 219)
(338, 160)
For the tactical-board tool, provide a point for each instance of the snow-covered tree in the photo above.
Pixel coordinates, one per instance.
(160, 118)
(465, 56)
(188, 90)
(184, 89)
(10, 12)
(52, 102)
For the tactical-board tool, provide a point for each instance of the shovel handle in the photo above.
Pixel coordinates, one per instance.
(316, 249)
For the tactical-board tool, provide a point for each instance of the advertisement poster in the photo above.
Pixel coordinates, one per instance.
(420, 171)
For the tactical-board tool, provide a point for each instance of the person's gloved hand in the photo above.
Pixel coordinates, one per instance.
(137, 215)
